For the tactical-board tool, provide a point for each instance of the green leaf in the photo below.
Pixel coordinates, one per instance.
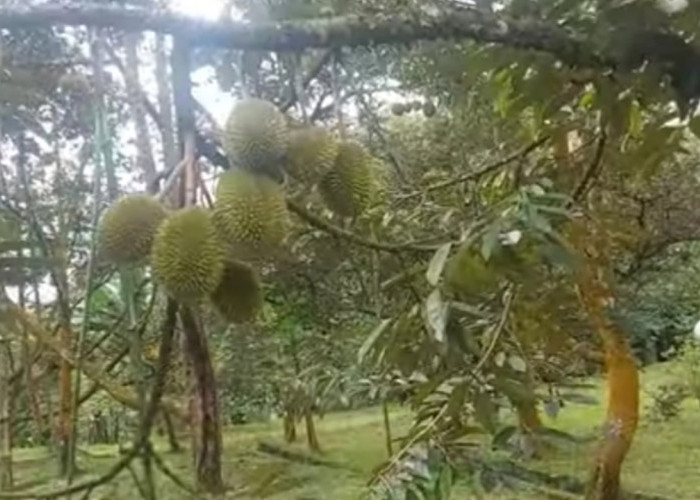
(372, 339)
(457, 399)
(485, 411)
(500, 440)
(445, 482)
(437, 264)
(436, 314)
(514, 390)
(489, 242)
(517, 363)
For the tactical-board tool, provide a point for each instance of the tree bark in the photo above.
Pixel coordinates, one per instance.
(311, 436)
(354, 30)
(138, 114)
(290, 427)
(387, 429)
(622, 416)
(206, 427)
(170, 430)
(5, 416)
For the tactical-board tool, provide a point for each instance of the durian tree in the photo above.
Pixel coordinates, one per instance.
(481, 230)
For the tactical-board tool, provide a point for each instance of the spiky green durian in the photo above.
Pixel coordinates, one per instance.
(127, 229)
(311, 154)
(350, 187)
(256, 136)
(187, 256)
(250, 210)
(238, 298)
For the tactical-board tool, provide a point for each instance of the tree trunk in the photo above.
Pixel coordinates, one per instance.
(622, 376)
(65, 395)
(311, 437)
(290, 427)
(387, 428)
(170, 430)
(5, 418)
(206, 429)
(138, 113)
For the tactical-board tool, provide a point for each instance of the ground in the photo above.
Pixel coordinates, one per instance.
(663, 460)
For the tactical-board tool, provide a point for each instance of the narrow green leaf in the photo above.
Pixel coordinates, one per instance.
(437, 264)
(372, 339)
(436, 314)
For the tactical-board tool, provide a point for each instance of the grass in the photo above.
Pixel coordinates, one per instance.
(662, 461)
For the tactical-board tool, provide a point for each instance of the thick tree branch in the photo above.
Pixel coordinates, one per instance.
(319, 33)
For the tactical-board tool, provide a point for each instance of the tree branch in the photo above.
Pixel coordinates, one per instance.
(341, 233)
(472, 176)
(351, 31)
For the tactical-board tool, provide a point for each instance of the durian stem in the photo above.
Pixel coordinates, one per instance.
(172, 179)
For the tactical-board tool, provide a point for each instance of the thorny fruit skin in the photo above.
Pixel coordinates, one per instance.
(238, 298)
(256, 136)
(311, 154)
(127, 229)
(351, 186)
(250, 210)
(187, 257)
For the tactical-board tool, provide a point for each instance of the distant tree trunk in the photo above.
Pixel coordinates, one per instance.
(5, 419)
(205, 418)
(65, 391)
(387, 428)
(622, 375)
(30, 386)
(138, 114)
(311, 437)
(290, 426)
(165, 103)
(170, 430)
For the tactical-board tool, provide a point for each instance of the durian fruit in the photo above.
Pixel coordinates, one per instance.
(429, 109)
(256, 136)
(250, 210)
(398, 109)
(127, 229)
(468, 273)
(416, 105)
(350, 187)
(311, 154)
(238, 298)
(187, 256)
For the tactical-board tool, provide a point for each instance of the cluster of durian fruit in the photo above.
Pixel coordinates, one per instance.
(402, 108)
(200, 254)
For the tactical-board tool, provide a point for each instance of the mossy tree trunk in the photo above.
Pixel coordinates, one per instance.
(622, 375)
(206, 426)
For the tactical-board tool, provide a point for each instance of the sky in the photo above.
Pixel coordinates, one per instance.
(204, 88)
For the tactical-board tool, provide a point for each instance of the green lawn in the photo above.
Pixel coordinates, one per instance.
(663, 460)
